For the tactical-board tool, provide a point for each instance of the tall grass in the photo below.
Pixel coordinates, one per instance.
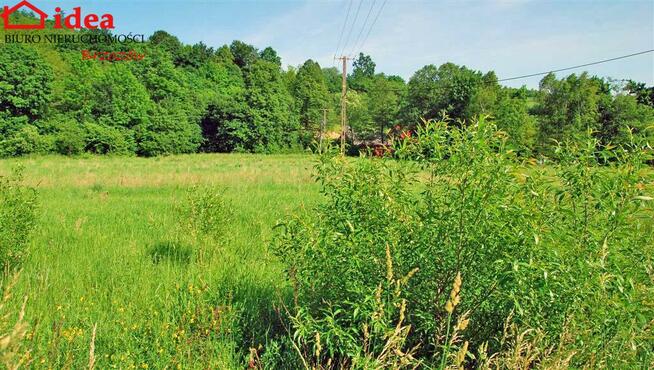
(17, 218)
(91, 259)
(165, 262)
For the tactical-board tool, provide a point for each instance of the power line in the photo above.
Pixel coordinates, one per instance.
(560, 69)
(340, 38)
(372, 25)
(356, 16)
(365, 22)
(577, 66)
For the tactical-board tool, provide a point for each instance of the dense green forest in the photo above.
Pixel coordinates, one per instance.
(236, 98)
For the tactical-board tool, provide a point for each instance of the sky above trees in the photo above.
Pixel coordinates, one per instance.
(510, 37)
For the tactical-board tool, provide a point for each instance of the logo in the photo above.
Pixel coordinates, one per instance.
(74, 20)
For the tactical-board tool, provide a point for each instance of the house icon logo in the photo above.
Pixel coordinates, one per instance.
(7, 12)
(74, 21)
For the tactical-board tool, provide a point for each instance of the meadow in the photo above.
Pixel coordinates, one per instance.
(452, 253)
(92, 259)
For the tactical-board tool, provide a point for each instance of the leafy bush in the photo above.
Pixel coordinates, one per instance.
(26, 141)
(17, 218)
(562, 248)
(101, 139)
(372, 333)
(69, 139)
(170, 131)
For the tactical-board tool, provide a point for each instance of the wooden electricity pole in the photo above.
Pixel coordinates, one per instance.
(344, 59)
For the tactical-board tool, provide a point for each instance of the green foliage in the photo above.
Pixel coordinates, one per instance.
(363, 70)
(270, 55)
(526, 241)
(118, 99)
(159, 76)
(485, 98)
(194, 56)
(642, 93)
(166, 41)
(17, 218)
(25, 83)
(623, 117)
(512, 117)
(311, 96)
(567, 108)
(101, 139)
(359, 118)
(25, 92)
(447, 89)
(70, 138)
(385, 96)
(273, 122)
(225, 127)
(25, 141)
(185, 98)
(244, 55)
(207, 213)
(168, 132)
(333, 79)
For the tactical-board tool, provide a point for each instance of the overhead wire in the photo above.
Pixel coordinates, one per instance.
(340, 38)
(577, 66)
(372, 25)
(560, 69)
(349, 34)
(363, 27)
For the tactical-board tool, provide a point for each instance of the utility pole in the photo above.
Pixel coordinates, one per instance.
(344, 59)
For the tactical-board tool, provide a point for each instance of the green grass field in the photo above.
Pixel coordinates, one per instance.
(91, 261)
(115, 250)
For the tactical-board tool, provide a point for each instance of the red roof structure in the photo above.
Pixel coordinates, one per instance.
(23, 4)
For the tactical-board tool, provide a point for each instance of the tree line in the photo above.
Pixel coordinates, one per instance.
(236, 98)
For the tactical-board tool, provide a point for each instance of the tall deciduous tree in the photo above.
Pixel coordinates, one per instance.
(244, 54)
(165, 41)
(225, 125)
(385, 95)
(567, 108)
(25, 83)
(311, 96)
(270, 55)
(512, 116)
(448, 89)
(363, 71)
(643, 94)
(273, 121)
(333, 79)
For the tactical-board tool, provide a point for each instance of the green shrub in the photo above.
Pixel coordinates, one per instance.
(26, 141)
(101, 139)
(528, 240)
(17, 218)
(170, 130)
(69, 138)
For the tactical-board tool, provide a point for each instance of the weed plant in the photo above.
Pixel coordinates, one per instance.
(565, 251)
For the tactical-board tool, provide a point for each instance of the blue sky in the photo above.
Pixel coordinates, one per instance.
(512, 37)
